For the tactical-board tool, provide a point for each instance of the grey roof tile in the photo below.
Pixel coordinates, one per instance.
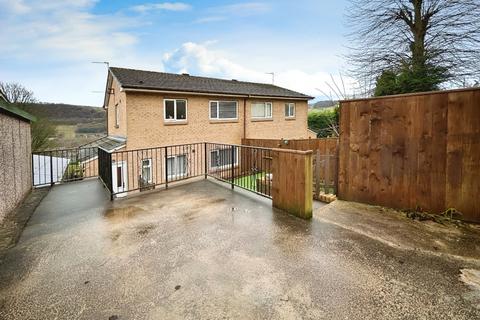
(139, 79)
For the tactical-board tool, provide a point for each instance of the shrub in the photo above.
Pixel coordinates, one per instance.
(321, 121)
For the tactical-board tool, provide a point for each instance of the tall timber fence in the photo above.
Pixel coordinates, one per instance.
(408, 151)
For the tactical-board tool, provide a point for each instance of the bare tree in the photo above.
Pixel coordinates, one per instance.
(42, 132)
(16, 93)
(417, 34)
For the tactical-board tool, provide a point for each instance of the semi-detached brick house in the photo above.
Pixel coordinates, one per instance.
(148, 109)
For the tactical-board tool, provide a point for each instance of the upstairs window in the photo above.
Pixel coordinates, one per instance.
(262, 110)
(289, 110)
(223, 110)
(175, 110)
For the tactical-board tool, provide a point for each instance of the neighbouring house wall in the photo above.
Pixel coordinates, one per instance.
(117, 98)
(413, 150)
(15, 163)
(147, 128)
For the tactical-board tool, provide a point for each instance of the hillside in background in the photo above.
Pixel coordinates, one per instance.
(66, 113)
(322, 104)
(75, 125)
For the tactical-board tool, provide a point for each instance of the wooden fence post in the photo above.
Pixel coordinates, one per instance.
(317, 174)
(292, 186)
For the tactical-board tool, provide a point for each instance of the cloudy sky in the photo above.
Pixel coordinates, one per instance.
(49, 46)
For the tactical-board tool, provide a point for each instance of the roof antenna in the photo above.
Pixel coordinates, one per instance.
(102, 62)
(273, 76)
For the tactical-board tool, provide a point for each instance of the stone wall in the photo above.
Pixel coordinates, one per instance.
(15, 162)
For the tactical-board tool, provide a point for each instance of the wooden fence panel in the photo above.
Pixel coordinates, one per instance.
(325, 159)
(412, 150)
(292, 170)
(325, 145)
(463, 153)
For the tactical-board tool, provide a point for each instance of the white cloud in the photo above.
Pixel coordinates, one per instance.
(167, 6)
(15, 6)
(245, 9)
(65, 30)
(200, 59)
(50, 48)
(211, 19)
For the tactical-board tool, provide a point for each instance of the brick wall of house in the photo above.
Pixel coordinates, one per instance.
(142, 120)
(15, 163)
(117, 98)
(279, 126)
(146, 126)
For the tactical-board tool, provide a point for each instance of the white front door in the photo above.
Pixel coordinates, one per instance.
(119, 178)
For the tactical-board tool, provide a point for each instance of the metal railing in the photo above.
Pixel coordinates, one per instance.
(145, 169)
(65, 165)
(251, 168)
(246, 167)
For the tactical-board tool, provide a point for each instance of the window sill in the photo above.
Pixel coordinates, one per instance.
(290, 118)
(261, 119)
(223, 120)
(175, 122)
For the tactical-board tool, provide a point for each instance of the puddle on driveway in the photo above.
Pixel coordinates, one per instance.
(123, 213)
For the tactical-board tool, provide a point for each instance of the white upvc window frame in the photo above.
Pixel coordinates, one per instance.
(291, 106)
(265, 109)
(176, 176)
(149, 166)
(218, 109)
(225, 166)
(175, 110)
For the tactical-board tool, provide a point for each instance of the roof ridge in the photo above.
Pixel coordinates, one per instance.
(147, 79)
(202, 77)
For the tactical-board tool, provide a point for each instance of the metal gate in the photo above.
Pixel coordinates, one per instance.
(64, 165)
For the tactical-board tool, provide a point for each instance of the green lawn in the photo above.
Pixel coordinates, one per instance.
(249, 182)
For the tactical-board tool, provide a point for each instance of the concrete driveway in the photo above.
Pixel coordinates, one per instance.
(202, 251)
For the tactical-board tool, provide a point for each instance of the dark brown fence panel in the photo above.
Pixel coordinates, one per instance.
(325, 145)
(325, 159)
(411, 151)
(463, 153)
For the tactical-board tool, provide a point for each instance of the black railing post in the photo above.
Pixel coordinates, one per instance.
(205, 159)
(233, 167)
(108, 170)
(51, 168)
(166, 168)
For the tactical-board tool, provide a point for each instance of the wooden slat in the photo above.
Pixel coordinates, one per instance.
(417, 150)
